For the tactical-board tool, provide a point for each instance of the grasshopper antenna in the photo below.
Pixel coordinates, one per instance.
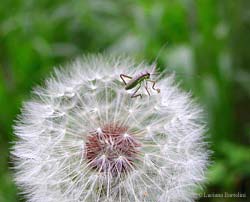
(160, 51)
(154, 71)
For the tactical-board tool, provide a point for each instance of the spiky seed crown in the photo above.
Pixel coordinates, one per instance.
(82, 138)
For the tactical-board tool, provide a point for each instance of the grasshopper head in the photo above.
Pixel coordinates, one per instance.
(147, 75)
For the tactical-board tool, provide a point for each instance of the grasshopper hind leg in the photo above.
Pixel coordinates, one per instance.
(126, 76)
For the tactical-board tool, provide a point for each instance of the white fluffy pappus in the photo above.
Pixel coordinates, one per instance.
(82, 138)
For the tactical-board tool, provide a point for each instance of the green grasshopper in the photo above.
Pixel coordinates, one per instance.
(137, 81)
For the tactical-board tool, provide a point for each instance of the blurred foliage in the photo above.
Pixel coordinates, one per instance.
(206, 42)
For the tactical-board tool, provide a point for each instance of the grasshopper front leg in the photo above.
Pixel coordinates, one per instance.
(123, 75)
(134, 93)
(153, 86)
(146, 87)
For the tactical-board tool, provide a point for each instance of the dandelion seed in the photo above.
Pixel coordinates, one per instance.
(82, 138)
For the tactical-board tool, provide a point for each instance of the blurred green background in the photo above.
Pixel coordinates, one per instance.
(206, 42)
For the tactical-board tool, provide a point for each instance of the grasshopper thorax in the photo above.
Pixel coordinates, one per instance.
(145, 75)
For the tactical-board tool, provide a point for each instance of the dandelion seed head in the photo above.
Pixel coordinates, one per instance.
(83, 138)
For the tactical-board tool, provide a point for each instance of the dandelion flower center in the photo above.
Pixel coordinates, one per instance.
(112, 149)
